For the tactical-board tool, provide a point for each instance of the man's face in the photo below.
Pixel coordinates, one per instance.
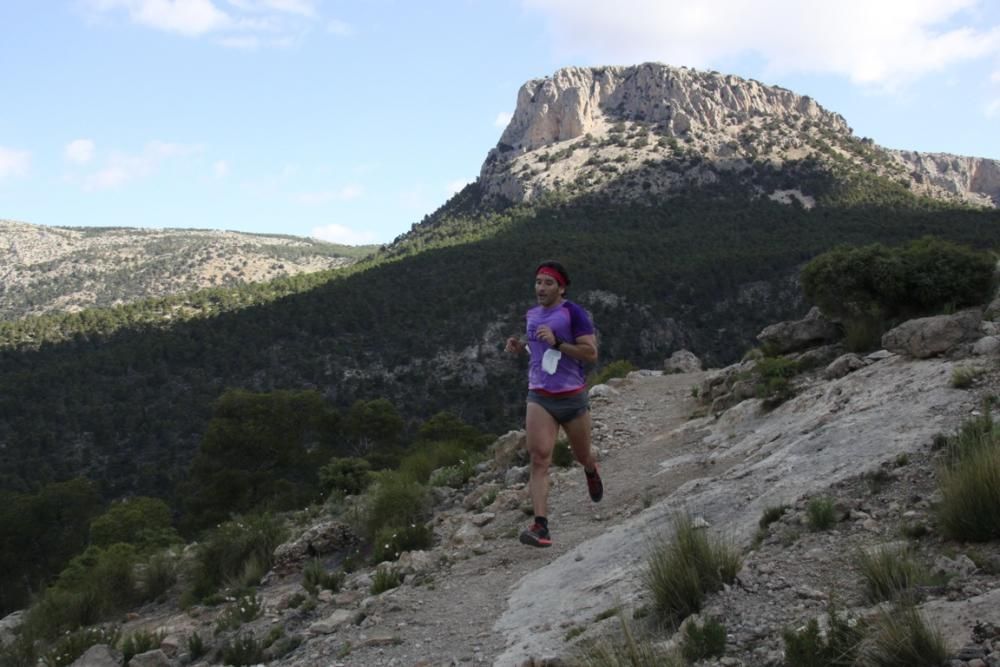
(547, 290)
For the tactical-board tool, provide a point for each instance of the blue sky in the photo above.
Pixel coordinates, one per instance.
(350, 121)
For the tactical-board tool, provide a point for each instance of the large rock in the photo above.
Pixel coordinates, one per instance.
(844, 364)
(510, 449)
(791, 336)
(932, 336)
(100, 655)
(154, 658)
(323, 538)
(682, 361)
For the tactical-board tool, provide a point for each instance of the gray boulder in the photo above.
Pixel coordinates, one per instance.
(682, 361)
(987, 346)
(510, 449)
(844, 364)
(932, 336)
(154, 658)
(794, 335)
(99, 655)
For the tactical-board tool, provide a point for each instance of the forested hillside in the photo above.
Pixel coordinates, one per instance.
(424, 330)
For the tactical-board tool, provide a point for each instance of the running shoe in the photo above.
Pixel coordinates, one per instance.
(594, 485)
(536, 536)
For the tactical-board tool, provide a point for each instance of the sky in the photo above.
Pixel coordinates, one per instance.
(351, 121)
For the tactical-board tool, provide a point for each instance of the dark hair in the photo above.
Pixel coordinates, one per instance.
(552, 264)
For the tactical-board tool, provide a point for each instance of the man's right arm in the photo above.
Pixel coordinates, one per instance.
(514, 345)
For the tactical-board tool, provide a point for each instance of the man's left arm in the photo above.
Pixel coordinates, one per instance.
(584, 348)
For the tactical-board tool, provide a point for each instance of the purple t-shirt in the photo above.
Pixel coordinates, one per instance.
(568, 321)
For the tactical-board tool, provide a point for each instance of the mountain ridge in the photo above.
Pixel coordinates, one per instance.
(68, 269)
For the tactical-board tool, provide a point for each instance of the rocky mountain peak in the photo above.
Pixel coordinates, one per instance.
(653, 129)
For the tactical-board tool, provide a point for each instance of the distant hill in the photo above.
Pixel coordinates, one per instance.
(46, 269)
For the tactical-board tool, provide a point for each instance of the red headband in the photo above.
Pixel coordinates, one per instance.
(549, 271)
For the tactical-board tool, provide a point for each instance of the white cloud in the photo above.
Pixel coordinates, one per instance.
(993, 109)
(122, 168)
(342, 234)
(220, 168)
(341, 28)
(503, 118)
(456, 186)
(241, 24)
(187, 17)
(346, 193)
(884, 43)
(80, 151)
(13, 162)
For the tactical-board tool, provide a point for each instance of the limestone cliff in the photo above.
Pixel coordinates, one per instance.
(653, 129)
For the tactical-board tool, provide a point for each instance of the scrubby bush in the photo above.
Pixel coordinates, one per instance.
(707, 640)
(244, 649)
(562, 454)
(349, 476)
(391, 541)
(395, 501)
(970, 482)
(901, 637)
(73, 644)
(820, 514)
(143, 522)
(870, 287)
(384, 579)
(140, 642)
(616, 369)
(680, 572)
(235, 553)
(316, 578)
(243, 610)
(890, 574)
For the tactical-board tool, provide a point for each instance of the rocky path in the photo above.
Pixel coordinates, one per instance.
(453, 618)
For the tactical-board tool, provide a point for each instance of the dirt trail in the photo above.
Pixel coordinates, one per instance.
(452, 621)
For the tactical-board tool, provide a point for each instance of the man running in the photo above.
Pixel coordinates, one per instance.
(560, 340)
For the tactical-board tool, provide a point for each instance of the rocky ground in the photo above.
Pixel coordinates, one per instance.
(866, 441)
(869, 441)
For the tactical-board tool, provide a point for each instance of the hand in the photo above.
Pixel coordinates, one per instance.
(514, 345)
(545, 333)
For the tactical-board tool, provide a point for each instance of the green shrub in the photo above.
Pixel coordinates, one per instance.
(454, 476)
(820, 514)
(703, 641)
(629, 652)
(773, 380)
(900, 637)
(158, 576)
(616, 369)
(73, 644)
(970, 482)
(315, 578)
(384, 579)
(871, 286)
(243, 610)
(95, 586)
(772, 514)
(889, 574)
(679, 573)
(562, 453)
(391, 541)
(963, 377)
(808, 648)
(244, 649)
(235, 552)
(349, 476)
(143, 522)
(196, 646)
(395, 501)
(140, 642)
